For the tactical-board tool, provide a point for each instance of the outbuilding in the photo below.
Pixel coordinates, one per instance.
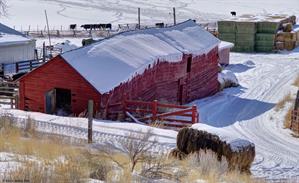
(175, 64)
(15, 46)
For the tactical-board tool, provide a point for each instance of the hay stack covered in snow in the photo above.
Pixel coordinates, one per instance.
(239, 153)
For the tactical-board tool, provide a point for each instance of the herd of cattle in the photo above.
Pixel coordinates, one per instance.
(104, 26)
(93, 26)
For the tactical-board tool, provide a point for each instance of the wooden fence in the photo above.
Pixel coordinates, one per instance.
(9, 93)
(150, 112)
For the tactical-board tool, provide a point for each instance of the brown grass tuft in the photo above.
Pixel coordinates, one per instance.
(296, 83)
(281, 104)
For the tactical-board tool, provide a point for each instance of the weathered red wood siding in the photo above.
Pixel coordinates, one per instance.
(56, 74)
(162, 81)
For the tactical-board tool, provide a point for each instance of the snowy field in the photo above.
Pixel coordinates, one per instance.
(64, 12)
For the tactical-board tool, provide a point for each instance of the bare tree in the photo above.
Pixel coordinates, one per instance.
(136, 147)
(3, 8)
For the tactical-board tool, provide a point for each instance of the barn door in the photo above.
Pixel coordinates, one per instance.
(51, 101)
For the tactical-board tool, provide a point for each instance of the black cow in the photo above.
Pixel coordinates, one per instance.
(233, 13)
(73, 26)
(160, 25)
(97, 26)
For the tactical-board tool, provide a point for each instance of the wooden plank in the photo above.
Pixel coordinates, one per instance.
(139, 110)
(130, 102)
(173, 106)
(176, 120)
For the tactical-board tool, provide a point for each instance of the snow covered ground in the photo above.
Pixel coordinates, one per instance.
(247, 112)
(64, 12)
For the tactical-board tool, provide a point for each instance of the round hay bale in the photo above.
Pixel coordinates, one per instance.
(239, 153)
(176, 153)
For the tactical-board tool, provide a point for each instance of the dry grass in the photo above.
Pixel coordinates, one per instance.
(296, 83)
(288, 118)
(281, 104)
(56, 161)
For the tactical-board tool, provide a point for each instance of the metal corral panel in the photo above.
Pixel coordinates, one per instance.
(17, 52)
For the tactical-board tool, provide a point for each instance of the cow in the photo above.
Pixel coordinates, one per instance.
(97, 26)
(160, 25)
(73, 26)
(233, 13)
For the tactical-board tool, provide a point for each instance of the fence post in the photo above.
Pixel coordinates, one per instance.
(124, 108)
(11, 103)
(194, 114)
(90, 119)
(30, 64)
(297, 101)
(17, 67)
(154, 110)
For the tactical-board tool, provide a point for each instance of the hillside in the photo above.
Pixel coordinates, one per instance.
(65, 12)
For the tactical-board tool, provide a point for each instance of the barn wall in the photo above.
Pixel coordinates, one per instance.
(16, 53)
(161, 81)
(56, 74)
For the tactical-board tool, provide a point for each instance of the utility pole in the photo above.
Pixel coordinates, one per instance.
(174, 16)
(139, 18)
(48, 27)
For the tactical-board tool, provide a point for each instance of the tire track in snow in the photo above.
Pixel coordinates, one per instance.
(272, 161)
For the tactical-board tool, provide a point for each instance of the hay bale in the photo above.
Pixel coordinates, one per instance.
(286, 36)
(290, 45)
(279, 45)
(239, 156)
(239, 153)
(264, 37)
(246, 27)
(287, 27)
(226, 27)
(229, 37)
(244, 48)
(177, 154)
(264, 48)
(265, 43)
(242, 37)
(268, 27)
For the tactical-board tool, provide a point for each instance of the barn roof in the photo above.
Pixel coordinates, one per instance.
(107, 63)
(9, 36)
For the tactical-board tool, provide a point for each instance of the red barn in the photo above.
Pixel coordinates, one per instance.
(175, 64)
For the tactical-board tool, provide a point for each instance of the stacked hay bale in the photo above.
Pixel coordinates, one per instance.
(227, 31)
(238, 153)
(245, 37)
(265, 36)
(286, 38)
(250, 34)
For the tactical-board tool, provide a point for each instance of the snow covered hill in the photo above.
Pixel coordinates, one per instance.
(64, 12)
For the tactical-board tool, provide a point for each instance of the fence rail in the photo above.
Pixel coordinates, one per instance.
(9, 93)
(149, 112)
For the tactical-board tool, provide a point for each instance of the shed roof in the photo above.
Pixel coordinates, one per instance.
(107, 63)
(9, 36)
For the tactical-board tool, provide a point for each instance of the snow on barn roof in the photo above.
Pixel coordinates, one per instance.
(107, 63)
(9, 36)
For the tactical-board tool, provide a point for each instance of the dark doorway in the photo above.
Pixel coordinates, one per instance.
(58, 101)
(189, 63)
